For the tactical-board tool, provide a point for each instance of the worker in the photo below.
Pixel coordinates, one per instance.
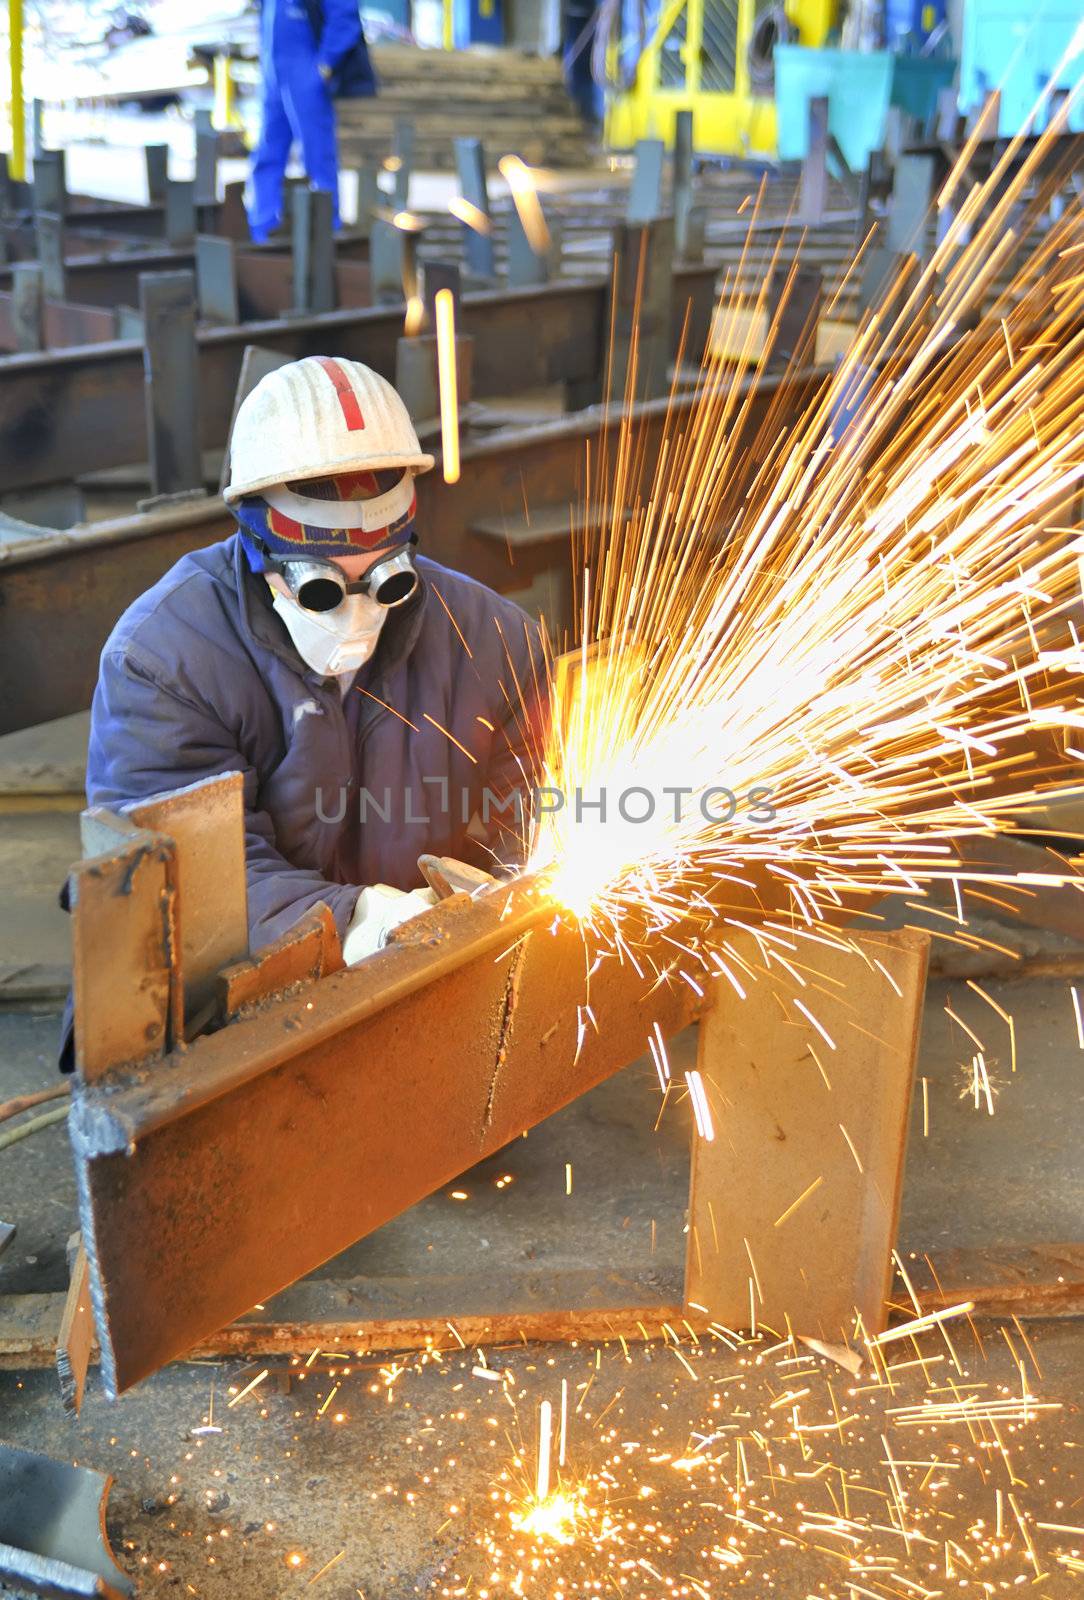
(311, 52)
(378, 705)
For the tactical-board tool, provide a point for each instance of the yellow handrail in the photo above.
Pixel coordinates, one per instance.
(17, 163)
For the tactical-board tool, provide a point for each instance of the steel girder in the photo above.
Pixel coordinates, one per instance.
(216, 1174)
(69, 412)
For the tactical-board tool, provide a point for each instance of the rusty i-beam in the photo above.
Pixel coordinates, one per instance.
(239, 1120)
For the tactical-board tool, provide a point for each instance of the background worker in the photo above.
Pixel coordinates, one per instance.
(311, 52)
(313, 654)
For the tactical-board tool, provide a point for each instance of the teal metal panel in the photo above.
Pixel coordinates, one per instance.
(857, 85)
(916, 82)
(1015, 46)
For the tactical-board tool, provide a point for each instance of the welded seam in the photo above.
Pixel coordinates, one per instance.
(107, 1355)
(508, 1009)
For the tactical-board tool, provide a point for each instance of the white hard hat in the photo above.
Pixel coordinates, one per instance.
(317, 417)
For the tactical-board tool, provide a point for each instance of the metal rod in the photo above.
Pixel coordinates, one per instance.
(35, 1125)
(27, 1102)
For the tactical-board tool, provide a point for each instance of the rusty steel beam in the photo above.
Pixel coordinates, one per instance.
(81, 410)
(133, 220)
(216, 1172)
(757, 1057)
(112, 278)
(92, 576)
(200, 1175)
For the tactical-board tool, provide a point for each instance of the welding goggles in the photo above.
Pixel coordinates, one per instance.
(297, 533)
(322, 586)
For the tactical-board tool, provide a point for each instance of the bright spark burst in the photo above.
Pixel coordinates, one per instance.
(556, 1518)
(819, 655)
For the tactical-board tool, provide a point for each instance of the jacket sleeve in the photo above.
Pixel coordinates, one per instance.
(146, 738)
(340, 33)
(518, 745)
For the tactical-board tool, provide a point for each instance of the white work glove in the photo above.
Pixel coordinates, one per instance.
(379, 909)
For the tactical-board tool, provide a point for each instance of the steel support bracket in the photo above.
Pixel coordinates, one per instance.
(52, 1529)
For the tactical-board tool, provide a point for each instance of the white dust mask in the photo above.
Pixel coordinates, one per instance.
(337, 642)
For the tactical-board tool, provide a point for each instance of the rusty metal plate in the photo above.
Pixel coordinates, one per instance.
(126, 1000)
(205, 821)
(794, 1200)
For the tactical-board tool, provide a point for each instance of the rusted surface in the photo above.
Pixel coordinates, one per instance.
(265, 284)
(75, 1339)
(378, 1314)
(64, 322)
(205, 822)
(791, 1225)
(304, 955)
(413, 1313)
(127, 1001)
(80, 410)
(91, 578)
(1037, 1280)
(112, 279)
(1048, 891)
(291, 1135)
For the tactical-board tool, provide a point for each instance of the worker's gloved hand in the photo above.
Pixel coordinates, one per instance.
(379, 909)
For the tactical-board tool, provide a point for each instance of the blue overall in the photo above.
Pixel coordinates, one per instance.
(297, 102)
(200, 677)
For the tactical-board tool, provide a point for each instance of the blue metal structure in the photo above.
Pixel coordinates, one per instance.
(477, 22)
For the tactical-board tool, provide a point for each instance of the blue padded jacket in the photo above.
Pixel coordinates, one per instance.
(200, 677)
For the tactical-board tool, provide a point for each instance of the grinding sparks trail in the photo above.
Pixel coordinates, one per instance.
(822, 657)
(778, 1471)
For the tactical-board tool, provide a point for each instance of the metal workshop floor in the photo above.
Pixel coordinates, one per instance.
(403, 1480)
(374, 1492)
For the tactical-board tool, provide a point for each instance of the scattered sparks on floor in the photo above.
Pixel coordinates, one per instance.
(602, 1470)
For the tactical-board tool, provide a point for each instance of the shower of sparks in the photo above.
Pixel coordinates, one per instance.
(822, 658)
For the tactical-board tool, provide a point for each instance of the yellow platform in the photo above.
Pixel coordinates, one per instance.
(686, 54)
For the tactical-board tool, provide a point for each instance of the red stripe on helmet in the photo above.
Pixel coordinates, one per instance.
(348, 400)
